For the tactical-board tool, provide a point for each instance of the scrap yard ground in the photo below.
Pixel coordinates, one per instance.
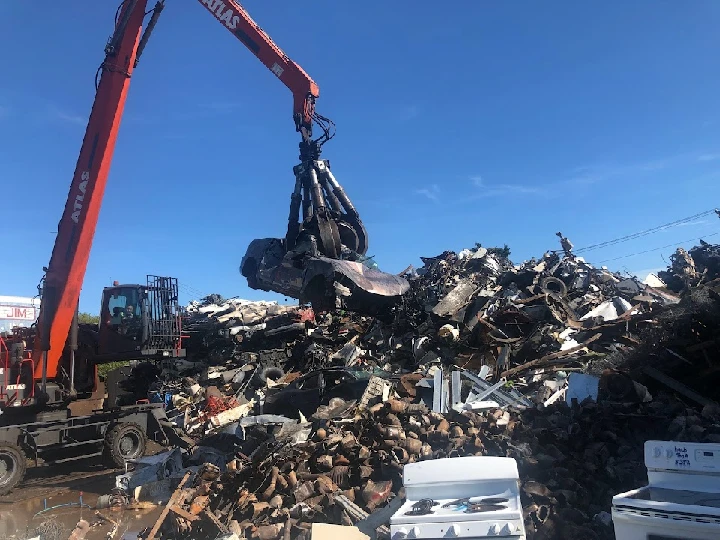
(279, 374)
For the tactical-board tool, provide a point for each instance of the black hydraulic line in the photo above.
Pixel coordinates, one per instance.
(73, 344)
(340, 194)
(117, 36)
(317, 197)
(148, 30)
(307, 200)
(293, 225)
(332, 200)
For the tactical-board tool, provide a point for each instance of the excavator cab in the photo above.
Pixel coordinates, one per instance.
(140, 321)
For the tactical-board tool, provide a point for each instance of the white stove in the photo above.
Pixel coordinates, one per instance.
(681, 500)
(465, 497)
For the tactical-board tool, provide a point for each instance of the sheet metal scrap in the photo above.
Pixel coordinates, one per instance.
(512, 330)
(473, 308)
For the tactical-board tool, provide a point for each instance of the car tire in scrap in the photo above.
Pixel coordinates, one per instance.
(124, 441)
(553, 285)
(271, 372)
(12, 467)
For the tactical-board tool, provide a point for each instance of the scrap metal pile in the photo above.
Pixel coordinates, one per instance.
(572, 460)
(303, 417)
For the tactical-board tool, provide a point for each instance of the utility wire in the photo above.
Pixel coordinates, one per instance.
(646, 232)
(190, 289)
(192, 292)
(674, 244)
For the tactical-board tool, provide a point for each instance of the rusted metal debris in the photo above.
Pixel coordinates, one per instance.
(303, 416)
(171, 503)
(572, 460)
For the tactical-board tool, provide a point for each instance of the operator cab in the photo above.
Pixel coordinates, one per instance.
(121, 308)
(140, 321)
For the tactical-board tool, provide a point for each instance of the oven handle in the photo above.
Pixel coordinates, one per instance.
(665, 526)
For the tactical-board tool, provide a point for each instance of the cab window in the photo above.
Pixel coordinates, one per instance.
(122, 308)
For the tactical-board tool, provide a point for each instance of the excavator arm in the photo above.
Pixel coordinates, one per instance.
(65, 273)
(322, 220)
(328, 228)
(305, 91)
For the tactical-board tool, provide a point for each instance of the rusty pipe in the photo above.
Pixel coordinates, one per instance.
(414, 446)
(289, 522)
(400, 454)
(390, 420)
(392, 432)
(259, 508)
(324, 462)
(268, 532)
(273, 480)
(376, 493)
(292, 479)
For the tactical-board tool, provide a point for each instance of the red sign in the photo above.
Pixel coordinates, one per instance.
(17, 313)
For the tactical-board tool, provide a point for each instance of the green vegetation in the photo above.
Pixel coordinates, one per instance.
(88, 318)
(104, 369)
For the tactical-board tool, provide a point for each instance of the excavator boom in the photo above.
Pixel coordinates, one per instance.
(305, 91)
(66, 270)
(327, 228)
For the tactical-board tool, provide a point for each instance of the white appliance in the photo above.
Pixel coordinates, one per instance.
(464, 497)
(681, 500)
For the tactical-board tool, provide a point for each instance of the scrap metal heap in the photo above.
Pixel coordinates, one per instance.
(304, 417)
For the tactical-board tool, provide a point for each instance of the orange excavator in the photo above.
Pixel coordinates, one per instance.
(324, 247)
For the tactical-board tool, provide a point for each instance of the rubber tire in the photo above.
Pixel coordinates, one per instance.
(271, 372)
(15, 454)
(553, 285)
(113, 438)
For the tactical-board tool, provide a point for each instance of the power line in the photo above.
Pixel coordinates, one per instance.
(646, 232)
(190, 289)
(674, 244)
(192, 292)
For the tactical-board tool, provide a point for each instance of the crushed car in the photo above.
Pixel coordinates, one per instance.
(324, 283)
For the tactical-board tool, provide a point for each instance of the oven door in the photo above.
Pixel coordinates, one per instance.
(637, 523)
(467, 530)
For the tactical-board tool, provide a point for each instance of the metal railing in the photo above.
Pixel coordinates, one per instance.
(163, 313)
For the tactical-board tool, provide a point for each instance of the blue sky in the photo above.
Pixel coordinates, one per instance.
(481, 122)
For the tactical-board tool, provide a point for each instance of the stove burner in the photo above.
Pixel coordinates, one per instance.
(457, 502)
(418, 512)
(477, 508)
(466, 502)
(494, 500)
(421, 508)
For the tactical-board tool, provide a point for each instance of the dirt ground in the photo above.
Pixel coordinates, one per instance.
(49, 502)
